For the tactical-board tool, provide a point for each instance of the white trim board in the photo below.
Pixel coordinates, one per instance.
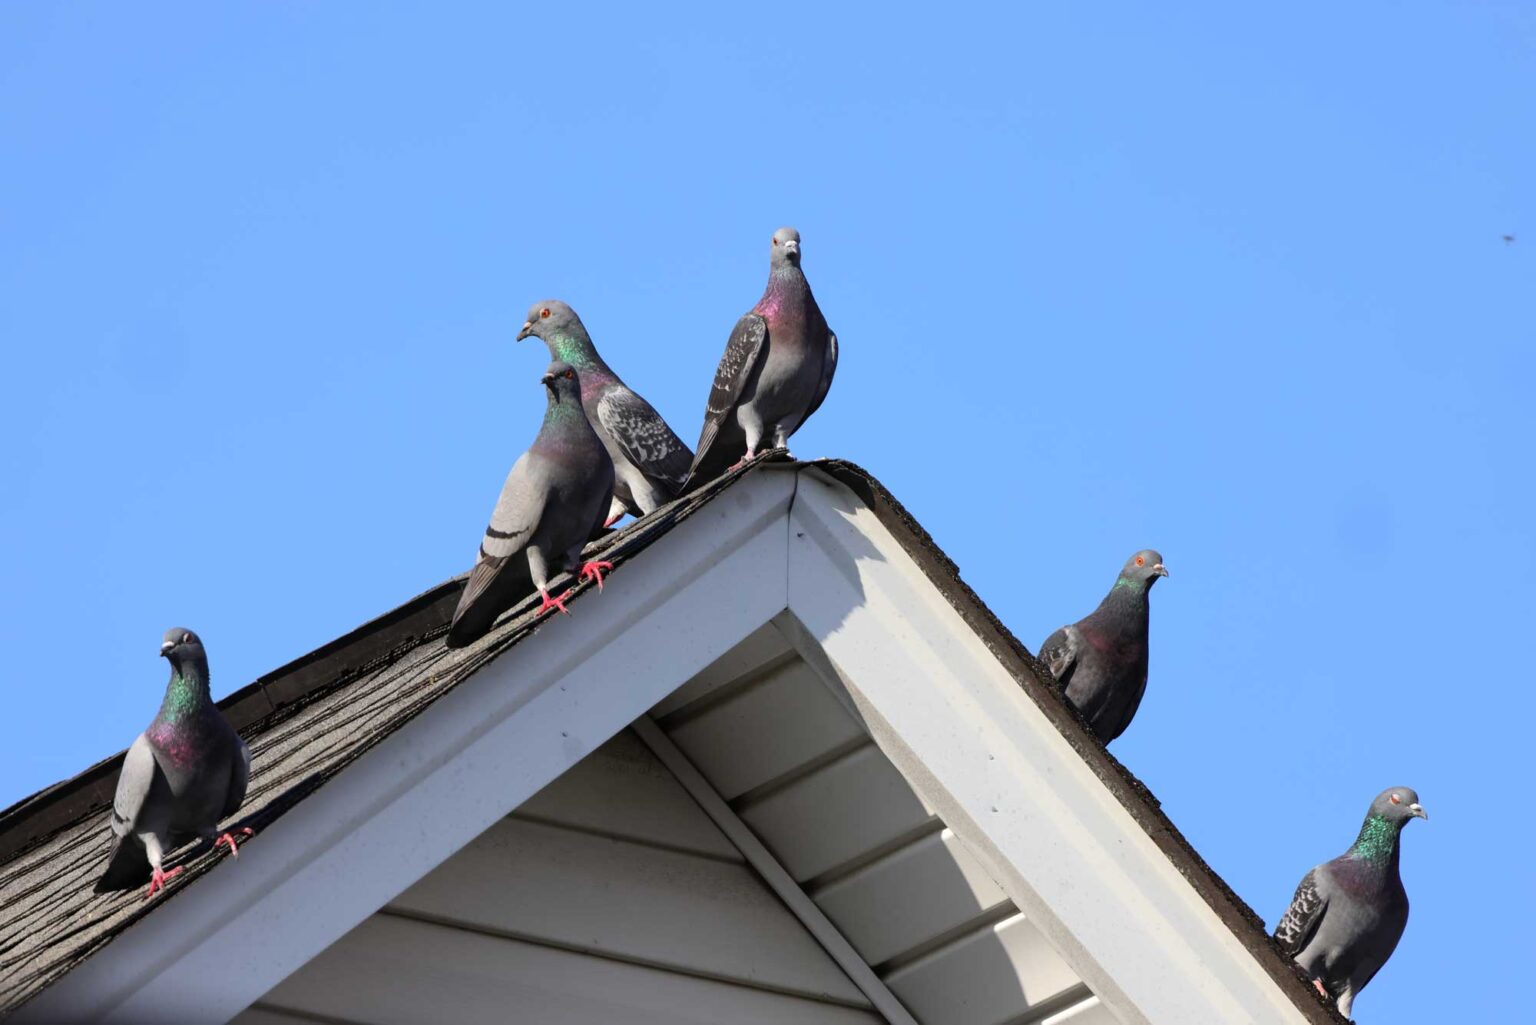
(785, 542)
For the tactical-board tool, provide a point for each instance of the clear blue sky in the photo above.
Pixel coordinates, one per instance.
(1223, 282)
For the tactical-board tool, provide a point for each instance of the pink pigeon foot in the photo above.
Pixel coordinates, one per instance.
(1320, 990)
(552, 603)
(595, 570)
(159, 879)
(610, 521)
(229, 838)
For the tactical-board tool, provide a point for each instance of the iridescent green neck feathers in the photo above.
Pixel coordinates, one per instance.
(1377, 840)
(185, 695)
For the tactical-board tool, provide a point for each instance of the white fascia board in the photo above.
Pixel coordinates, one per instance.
(999, 772)
(443, 778)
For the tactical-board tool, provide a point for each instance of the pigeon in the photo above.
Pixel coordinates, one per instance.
(1349, 913)
(1101, 660)
(777, 368)
(554, 499)
(182, 776)
(650, 462)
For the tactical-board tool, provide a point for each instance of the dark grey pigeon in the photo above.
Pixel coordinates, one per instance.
(183, 775)
(1349, 913)
(777, 368)
(554, 499)
(1101, 660)
(650, 462)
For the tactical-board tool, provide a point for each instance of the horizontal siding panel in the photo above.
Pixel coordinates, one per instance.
(391, 971)
(756, 650)
(991, 976)
(840, 812)
(775, 725)
(1089, 1012)
(628, 900)
(268, 1016)
(621, 789)
(914, 895)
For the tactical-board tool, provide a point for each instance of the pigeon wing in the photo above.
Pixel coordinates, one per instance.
(127, 863)
(742, 352)
(644, 437)
(1299, 923)
(513, 522)
(1059, 653)
(828, 368)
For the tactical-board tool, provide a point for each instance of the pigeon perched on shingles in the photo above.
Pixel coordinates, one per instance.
(650, 462)
(1101, 660)
(183, 775)
(554, 499)
(1349, 913)
(777, 368)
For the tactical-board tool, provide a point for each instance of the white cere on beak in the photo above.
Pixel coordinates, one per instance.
(165, 648)
(1418, 809)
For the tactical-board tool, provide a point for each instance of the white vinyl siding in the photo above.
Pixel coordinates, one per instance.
(609, 896)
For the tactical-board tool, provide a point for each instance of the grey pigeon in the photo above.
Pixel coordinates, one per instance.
(1101, 660)
(1349, 913)
(182, 776)
(777, 368)
(554, 499)
(650, 462)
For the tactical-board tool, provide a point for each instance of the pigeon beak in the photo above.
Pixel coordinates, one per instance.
(548, 381)
(1160, 569)
(526, 331)
(1418, 810)
(165, 649)
(792, 248)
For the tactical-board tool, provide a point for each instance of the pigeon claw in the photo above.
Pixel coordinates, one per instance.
(1320, 990)
(552, 603)
(158, 880)
(229, 838)
(595, 570)
(610, 521)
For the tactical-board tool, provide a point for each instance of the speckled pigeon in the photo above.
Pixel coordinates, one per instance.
(182, 776)
(650, 462)
(1101, 660)
(777, 368)
(1349, 913)
(554, 499)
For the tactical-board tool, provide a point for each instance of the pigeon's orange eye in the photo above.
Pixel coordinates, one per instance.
(1396, 800)
(570, 374)
(775, 241)
(1140, 561)
(544, 313)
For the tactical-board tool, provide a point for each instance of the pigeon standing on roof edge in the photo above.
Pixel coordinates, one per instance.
(183, 775)
(650, 462)
(1101, 660)
(555, 498)
(777, 369)
(1348, 913)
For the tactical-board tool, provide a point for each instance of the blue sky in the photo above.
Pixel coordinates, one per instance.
(1224, 282)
